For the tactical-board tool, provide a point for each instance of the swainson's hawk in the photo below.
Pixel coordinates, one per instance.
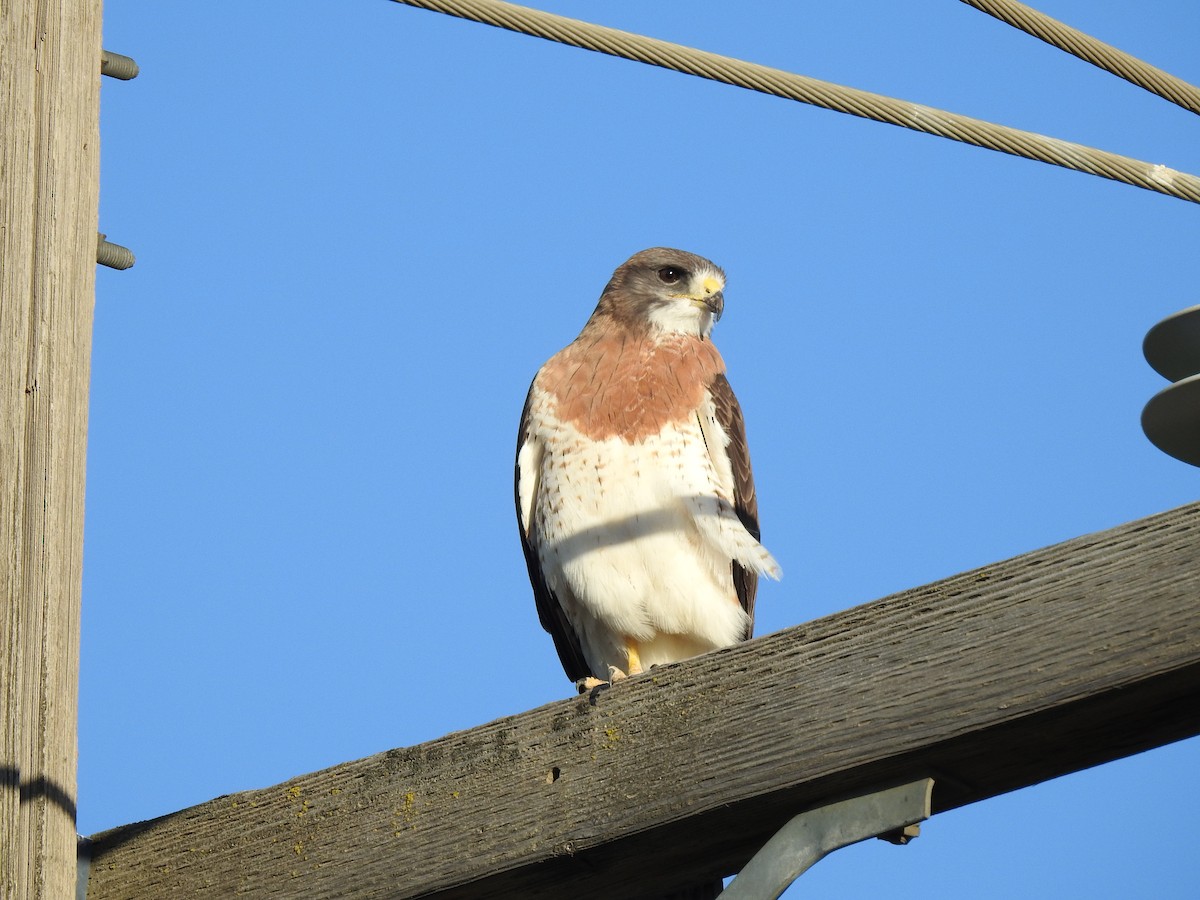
(633, 486)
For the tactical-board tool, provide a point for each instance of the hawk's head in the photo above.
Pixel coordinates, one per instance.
(668, 290)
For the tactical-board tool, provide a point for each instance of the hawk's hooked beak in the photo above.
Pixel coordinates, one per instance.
(712, 299)
(716, 304)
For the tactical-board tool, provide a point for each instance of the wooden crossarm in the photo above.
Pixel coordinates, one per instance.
(989, 681)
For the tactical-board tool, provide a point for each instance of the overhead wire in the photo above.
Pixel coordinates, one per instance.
(767, 80)
(1096, 52)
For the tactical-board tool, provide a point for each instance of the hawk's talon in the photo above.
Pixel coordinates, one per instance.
(583, 685)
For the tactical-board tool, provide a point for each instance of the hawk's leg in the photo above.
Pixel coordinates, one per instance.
(633, 664)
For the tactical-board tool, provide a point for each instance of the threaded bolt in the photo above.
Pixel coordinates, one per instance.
(114, 65)
(113, 255)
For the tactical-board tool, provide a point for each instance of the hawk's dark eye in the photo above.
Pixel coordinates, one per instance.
(670, 274)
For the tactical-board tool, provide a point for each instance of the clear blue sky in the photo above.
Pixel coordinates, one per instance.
(361, 228)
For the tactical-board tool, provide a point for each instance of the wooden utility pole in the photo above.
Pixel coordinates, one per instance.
(49, 189)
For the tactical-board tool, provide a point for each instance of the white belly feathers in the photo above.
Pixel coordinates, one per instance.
(637, 539)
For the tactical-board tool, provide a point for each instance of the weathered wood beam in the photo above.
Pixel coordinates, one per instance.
(49, 192)
(988, 681)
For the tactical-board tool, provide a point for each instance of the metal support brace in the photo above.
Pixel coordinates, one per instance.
(810, 836)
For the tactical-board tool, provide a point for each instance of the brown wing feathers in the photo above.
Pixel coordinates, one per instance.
(550, 611)
(745, 503)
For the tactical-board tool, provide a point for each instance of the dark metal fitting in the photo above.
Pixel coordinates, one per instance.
(1170, 420)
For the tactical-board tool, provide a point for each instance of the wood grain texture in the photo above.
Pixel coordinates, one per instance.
(988, 681)
(49, 185)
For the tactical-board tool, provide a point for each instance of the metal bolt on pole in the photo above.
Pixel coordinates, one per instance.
(124, 68)
(113, 255)
(114, 65)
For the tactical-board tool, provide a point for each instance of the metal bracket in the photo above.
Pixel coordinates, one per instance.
(811, 836)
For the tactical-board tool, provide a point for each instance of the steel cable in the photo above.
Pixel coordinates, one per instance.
(824, 94)
(1089, 49)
